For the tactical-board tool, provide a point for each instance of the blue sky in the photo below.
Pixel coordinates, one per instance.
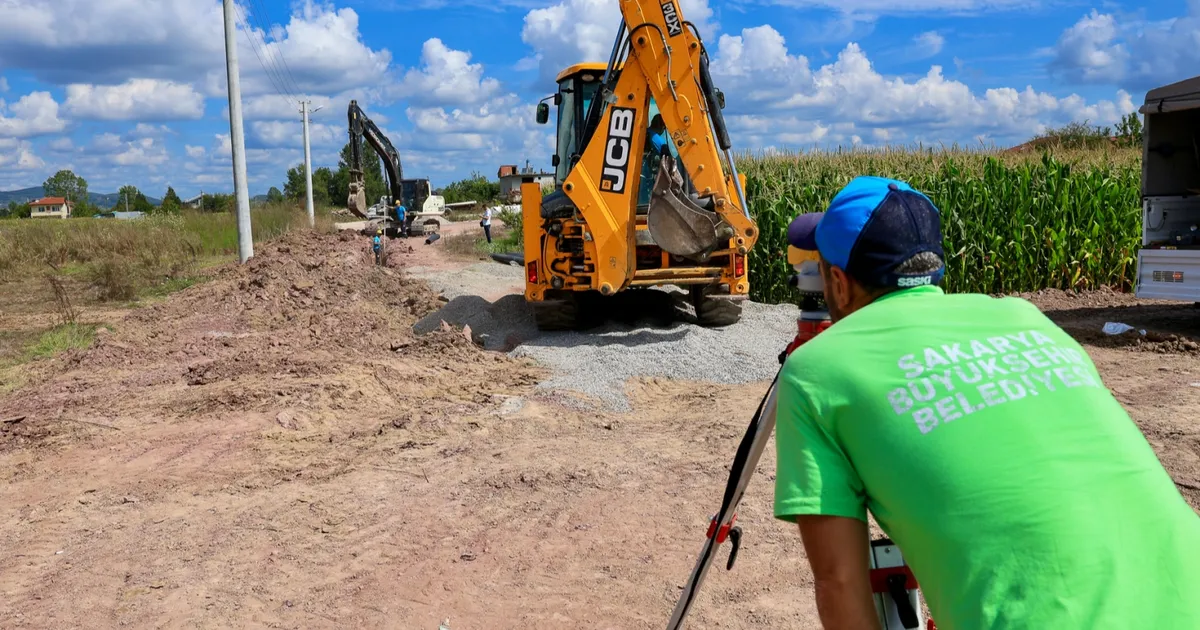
(124, 94)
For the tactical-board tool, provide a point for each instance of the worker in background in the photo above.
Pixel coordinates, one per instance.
(979, 435)
(401, 211)
(377, 245)
(485, 222)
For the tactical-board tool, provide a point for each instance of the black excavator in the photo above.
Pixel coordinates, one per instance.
(424, 209)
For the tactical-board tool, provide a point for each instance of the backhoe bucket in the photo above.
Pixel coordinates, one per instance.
(356, 202)
(676, 223)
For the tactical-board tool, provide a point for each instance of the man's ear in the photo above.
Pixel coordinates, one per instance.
(841, 288)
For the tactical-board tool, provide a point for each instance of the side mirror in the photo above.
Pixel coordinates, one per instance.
(721, 99)
(543, 113)
(554, 160)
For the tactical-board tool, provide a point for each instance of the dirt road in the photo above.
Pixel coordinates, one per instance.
(277, 449)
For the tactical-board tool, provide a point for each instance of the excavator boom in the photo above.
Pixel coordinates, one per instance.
(413, 192)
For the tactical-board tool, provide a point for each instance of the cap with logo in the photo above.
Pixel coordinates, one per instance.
(872, 226)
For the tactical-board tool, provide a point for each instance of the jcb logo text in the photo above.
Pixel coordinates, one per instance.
(672, 18)
(616, 150)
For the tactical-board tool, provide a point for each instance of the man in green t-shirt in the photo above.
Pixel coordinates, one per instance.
(981, 438)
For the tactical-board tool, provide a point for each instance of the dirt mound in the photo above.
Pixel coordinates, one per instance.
(1135, 340)
(309, 324)
(1171, 327)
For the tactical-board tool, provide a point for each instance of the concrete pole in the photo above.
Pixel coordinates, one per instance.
(236, 138)
(307, 167)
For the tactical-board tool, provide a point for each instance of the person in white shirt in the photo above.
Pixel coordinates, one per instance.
(486, 223)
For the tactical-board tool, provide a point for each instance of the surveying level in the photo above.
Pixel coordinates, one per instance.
(895, 589)
(897, 597)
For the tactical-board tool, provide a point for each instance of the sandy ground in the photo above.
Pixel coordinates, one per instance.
(277, 449)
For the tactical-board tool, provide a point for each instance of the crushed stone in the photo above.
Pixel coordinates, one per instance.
(598, 362)
(595, 364)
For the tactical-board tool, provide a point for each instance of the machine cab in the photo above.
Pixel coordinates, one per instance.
(413, 193)
(578, 85)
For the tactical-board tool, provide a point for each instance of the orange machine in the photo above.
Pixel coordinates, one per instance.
(623, 215)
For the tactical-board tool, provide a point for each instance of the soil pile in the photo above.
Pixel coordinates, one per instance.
(309, 326)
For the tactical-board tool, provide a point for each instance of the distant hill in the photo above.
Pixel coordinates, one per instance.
(30, 194)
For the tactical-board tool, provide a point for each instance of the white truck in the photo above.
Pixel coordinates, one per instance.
(1169, 258)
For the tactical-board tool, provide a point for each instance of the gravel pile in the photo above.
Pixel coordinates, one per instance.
(499, 326)
(597, 362)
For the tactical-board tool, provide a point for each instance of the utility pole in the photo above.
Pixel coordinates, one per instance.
(308, 163)
(236, 139)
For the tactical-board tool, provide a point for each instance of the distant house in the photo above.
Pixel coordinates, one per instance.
(56, 207)
(194, 202)
(125, 216)
(510, 180)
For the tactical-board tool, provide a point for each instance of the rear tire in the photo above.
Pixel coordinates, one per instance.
(714, 312)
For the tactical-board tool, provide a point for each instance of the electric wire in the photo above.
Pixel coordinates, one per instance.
(254, 46)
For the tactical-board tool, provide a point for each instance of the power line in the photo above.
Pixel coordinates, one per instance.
(261, 51)
(254, 47)
(266, 14)
(271, 55)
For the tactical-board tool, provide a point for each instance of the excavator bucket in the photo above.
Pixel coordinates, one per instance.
(356, 202)
(676, 222)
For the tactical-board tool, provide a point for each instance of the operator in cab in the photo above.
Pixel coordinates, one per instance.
(656, 138)
(978, 434)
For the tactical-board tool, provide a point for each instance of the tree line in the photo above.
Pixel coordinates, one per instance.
(68, 185)
(330, 188)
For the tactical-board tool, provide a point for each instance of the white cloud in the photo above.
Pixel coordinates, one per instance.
(1089, 51)
(583, 30)
(275, 133)
(774, 99)
(17, 155)
(882, 7)
(928, 44)
(84, 41)
(319, 49)
(144, 152)
(446, 78)
(32, 115)
(61, 145)
(1105, 49)
(143, 130)
(105, 143)
(319, 52)
(137, 99)
(755, 70)
(194, 152)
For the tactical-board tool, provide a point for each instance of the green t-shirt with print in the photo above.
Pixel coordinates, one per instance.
(983, 441)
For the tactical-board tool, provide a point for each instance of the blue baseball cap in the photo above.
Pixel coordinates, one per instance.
(872, 226)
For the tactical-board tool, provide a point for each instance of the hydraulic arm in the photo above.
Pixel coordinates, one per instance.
(648, 193)
(362, 127)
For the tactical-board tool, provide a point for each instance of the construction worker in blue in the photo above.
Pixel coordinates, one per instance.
(377, 244)
(658, 136)
(401, 211)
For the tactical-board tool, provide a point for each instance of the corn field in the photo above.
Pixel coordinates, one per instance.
(1011, 222)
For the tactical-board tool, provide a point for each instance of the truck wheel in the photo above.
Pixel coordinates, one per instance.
(714, 312)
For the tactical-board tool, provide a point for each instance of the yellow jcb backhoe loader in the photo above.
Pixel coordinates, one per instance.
(623, 214)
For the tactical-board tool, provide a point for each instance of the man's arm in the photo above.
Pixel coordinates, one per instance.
(837, 552)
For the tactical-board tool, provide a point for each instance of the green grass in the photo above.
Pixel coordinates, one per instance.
(1067, 219)
(61, 339)
(149, 256)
